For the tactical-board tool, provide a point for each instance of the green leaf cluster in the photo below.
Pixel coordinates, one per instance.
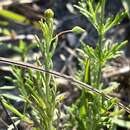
(38, 90)
(90, 111)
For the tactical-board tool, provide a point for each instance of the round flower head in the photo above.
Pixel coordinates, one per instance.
(49, 13)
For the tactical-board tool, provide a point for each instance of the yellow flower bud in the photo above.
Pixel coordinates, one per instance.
(49, 13)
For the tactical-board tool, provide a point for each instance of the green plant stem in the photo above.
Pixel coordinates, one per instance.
(99, 61)
(101, 36)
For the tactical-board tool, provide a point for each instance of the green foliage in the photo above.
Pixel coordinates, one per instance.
(38, 91)
(94, 12)
(90, 111)
(105, 50)
(14, 110)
